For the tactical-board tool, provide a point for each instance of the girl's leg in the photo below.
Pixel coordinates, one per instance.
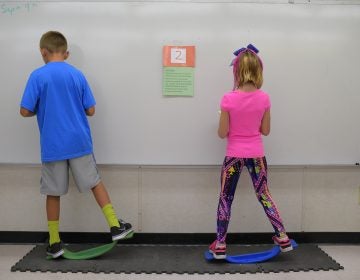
(258, 171)
(230, 175)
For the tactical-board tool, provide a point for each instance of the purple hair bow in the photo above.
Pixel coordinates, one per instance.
(249, 47)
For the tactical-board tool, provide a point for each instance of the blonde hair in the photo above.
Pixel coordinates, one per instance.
(54, 42)
(248, 69)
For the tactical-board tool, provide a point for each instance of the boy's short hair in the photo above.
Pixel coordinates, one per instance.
(248, 70)
(54, 42)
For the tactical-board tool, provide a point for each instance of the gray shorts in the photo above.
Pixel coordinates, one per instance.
(55, 175)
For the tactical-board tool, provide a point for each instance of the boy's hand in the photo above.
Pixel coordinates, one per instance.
(26, 113)
(90, 111)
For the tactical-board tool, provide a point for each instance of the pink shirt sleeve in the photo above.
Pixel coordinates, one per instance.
(267, 102)
(225, 103)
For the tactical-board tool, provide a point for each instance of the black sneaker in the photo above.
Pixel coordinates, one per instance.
(55, 250)
(121, 232)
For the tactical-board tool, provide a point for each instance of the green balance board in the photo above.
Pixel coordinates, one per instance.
(90, 253)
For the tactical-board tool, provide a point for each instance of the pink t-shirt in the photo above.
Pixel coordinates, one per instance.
(246, 110)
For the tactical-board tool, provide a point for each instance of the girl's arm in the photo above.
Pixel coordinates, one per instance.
(265, 123)
(223, 129)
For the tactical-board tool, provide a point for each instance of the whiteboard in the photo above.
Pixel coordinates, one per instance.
(310, 53)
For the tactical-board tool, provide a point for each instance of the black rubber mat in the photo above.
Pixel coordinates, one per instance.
(177, 259)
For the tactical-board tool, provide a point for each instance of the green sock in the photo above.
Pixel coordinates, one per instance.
(53, 227)
(110, 215)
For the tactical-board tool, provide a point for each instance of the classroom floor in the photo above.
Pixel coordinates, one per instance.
(347, 255)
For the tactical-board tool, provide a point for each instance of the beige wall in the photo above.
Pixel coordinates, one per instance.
(184, 199)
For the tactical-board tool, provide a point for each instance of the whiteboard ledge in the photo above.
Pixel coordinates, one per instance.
(292, 2)
(210, 166)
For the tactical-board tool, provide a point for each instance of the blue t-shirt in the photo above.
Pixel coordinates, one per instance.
(59, 95)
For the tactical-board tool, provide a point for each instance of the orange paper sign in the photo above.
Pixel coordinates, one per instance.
(181, 56)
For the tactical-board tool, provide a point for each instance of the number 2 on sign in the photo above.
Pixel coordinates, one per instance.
(178, 55)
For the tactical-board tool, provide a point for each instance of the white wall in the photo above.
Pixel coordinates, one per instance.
(315, 111)
(310, 53)
(184, 199)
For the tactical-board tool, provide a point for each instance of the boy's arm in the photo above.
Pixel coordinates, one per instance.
(26, 113)
(90, 111)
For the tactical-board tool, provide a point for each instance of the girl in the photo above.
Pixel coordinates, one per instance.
(245, 115)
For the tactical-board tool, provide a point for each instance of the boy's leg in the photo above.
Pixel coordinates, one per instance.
(119, 229)
(86, 177)
(102, 198)
(258, 171)
(54, 183)
(53, 214)
(101, 195)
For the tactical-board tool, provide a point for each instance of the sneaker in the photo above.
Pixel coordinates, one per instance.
(121, 232)
(218, 250)
(283, 242)
(55, 250)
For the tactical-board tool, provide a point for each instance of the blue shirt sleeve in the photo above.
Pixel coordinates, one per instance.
(31, 95)
(88, 99)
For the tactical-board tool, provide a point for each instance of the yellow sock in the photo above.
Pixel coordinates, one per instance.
(53, 227)
(110, 215)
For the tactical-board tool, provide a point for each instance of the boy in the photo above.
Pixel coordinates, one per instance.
(59, 95)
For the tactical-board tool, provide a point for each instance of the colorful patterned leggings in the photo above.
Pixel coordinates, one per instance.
(230, 175)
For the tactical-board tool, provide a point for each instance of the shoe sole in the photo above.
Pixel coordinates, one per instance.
(287, 249)
(123, 235)
(218, 257)
(56, 255)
